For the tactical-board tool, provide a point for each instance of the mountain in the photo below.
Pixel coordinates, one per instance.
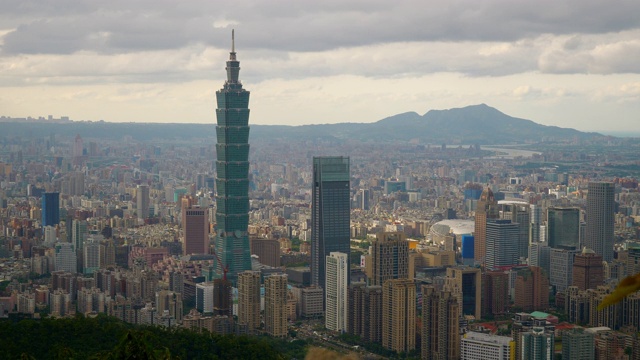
(479, 124)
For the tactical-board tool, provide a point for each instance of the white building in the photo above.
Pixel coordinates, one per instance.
(65, 257)
(93, 257)
(337, 275)
(480, 346)
(204, 297)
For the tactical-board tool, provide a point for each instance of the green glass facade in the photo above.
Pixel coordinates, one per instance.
(232, 179)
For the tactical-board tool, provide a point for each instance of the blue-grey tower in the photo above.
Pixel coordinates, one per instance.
(50, 209)
(330, 213)
(232, 179)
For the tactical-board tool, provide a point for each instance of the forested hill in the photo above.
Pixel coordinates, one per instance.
(105, 337)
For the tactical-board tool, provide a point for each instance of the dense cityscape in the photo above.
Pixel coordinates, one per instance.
(380, 249)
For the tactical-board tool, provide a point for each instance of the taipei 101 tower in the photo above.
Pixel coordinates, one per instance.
(232, 179)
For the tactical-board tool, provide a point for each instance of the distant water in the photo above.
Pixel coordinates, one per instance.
(633, 134)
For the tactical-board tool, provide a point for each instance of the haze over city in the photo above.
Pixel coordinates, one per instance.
(570, 63)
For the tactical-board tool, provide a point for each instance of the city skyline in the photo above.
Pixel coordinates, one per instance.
(336, 62)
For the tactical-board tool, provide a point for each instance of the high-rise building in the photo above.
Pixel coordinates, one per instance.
(176, 282)
(535, 212)
(539, 255)
(465, 283)
(440, 325)
(50, 209)
(578, 344)
(495, 293)
(588, 272)
(232, 176)
(79, 233)
(195, 224)
(65, 257)
(532, 289)
(78, 150)
(501, 243)
(268, 251)
(519, 213)
(561, 264)
(389, 257)
(142, 201)
(487, 208)
(170, 301)
(222, 298)
(399, 315)
(330, 213)
(204, 297)
(275, 305)
(563, 227)
(600, 219)
(537, 344)
(481, 346)
(93, 256)
(337, 267)
(249, 300)
(365, 312)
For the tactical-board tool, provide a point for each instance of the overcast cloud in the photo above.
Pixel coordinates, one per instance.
(567, 63)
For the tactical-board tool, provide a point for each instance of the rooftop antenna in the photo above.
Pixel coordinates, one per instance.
(233, 41)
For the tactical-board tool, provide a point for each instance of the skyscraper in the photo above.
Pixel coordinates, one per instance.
(487, 208)
(600, 219)
(578, 344)
(532, 289)
(232, 177)
(50, 209)
(399, 315)
(465, 283)
(440, 325)
(563, 226)
(561, 265)
(275, 305)
(249, 300)
(501, 243)
(389, 257)
(330, 213)
(222, 297)
(495, 293)
(65, 257)
(588, 272)
(204, 297)
(195, 224)
(142, 198)
(337, 266)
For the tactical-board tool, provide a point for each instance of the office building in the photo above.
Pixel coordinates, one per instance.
(267, 250)
(600, 219)
(195, 224)
(93, 257)
(519, 213)
(540, 255)
(563, 227)
(171, 302)
(531, 289)
(50, 209)
(440, 325)
(275, 305)
(389, 258)
(535, 213)
(487, 208)
(222, 298)
(561, 263)
(336, 294)
(249, 300)
(501, 243)
(204, 297)
(176, 282)
(330, 213)
(232, 176)
(481, 346)
(79, 233)
(588, 271)
(578, 344)
(399, 315)
(465, 283)
(495, 293)
(142, 201)
(65, 257)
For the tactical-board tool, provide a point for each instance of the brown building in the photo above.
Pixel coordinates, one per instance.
(249, 300)
(222, 297)
(495, 293)
(440, 325)
(389, 258)
(487, 208)
(275, 305)
(532, 289)
(195, 224)
(365, 312)
(465, 283)
(399, 315)
(588, 272)
(268, 251)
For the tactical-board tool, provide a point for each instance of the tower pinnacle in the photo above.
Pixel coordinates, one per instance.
(233, 41)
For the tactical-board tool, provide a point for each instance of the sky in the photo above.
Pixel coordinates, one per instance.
(570, 63)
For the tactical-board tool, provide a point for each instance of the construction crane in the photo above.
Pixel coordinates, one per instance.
(225, 268)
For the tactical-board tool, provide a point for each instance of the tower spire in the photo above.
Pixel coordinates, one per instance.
(233, 41)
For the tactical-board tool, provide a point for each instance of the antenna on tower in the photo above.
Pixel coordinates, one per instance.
(233, 41)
